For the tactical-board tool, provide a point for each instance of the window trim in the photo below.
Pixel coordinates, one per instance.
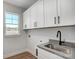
(18, 24)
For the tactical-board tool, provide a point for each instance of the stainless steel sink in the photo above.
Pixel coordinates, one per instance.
(60, 48)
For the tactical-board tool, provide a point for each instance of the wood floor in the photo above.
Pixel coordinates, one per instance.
(25, 55)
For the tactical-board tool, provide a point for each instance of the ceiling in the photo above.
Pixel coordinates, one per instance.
(21, 3)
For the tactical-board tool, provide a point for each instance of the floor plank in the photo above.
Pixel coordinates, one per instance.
(25, 55)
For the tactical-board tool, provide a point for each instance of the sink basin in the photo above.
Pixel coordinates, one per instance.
(60, 48)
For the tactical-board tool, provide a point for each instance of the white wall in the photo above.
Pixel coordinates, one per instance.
(14, 44)
(68, 33)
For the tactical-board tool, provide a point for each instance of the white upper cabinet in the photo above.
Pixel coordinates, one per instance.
(26, 20)
(37, 17)
(66, 12)
(50, 12)
(59, 12)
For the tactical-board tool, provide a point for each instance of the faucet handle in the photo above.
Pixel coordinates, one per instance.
(50, 41)
(62, 41)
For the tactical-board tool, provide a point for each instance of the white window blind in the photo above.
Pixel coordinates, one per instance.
(11, 23)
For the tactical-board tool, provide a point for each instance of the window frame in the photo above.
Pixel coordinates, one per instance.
(18, 23)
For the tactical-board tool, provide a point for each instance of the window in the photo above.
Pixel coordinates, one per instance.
(11, 23)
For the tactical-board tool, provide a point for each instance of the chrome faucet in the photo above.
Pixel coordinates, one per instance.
(60, 42)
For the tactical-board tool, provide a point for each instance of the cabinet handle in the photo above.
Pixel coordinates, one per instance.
(58, 19)
(35, 24)
(36, 52)
(54, 20)
(25, 26)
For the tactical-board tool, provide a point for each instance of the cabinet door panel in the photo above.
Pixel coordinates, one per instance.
(40, 14)
(26, 20)
(67, 12)
(47, 55)
(37, 15)
(33, 17)
(50, 8)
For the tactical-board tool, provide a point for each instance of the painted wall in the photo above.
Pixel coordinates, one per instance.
(37, 35)
(14, 44)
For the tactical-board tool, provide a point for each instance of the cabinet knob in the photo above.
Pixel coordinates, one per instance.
(25, 26)
(36, 52)
(54, 20)
(58, 19)
(35, 24)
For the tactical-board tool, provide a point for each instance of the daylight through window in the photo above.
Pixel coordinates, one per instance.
(11, 23)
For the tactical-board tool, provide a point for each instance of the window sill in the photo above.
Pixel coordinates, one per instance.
(12, 35)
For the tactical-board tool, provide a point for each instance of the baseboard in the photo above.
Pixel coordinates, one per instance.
(14, 53)
(18, 52)
(30, 51)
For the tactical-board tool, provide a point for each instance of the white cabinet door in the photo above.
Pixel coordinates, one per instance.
(37, 17)
(40, 14)
(33, 17)
(50, 12)
(67, 12)
(42, 54)
(26, 20)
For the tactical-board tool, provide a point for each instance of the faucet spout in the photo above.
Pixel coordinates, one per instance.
(59, 32)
